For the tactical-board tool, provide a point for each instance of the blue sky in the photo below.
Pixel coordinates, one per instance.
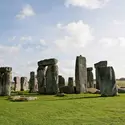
(35, 30)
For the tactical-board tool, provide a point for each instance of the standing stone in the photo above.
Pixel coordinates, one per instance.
(80, 74)
(61, 81)
(97, 65)
(107, 81)
(52, 79)
(90, 80)
(24, 83)
(41, 80)
(32, 82)
(70, 85)
(5, 81)
(47, 79)
(16, 83)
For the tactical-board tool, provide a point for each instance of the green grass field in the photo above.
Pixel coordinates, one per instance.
(82, 109)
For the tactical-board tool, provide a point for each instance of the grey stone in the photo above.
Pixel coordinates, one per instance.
(97, 65)
(41, 80)
(101, 64)
(5, 81)
(16, 83)
(24, 83)
(121, 90)
(61, 81)
(81, 74)
(93, 91)
(66, 89)
(48, 62)
(21, 98)
(52, 79)
(32, 82)
(89, 69)
(70, 85)
(90, 80)
(70, 81)
(107, 81)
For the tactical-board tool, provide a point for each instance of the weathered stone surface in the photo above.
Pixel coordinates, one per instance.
(70, 81)
(22, 98)
(93, 91)
(90, 83)
(97, 65)
(121, 90)
(32, 82)
(52, 79)
(5, 81)
(107, 81)
(65, 89)
(81, 74)
(101, 64)
(41, 80)
(61, 81)
(48, 62)
(70, 85)
(89, 69)
(16, 83)
(24, 83)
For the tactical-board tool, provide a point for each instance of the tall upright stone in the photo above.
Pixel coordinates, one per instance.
(5, 81)
(41, 80)
(52, 79)
(24, 83)
(32, 82)
(107, 81)
(61, 81)
(70, 85)
(90, 80)
(80, 74)
(16, 83)
(97, 66)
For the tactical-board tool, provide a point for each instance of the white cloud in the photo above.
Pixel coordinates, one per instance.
(27, 11)
(12, 39)
(42, 42)
(113, 42)
(8, 49)
(78, 35)
(26, 38)
(119, 22)
(90, 4)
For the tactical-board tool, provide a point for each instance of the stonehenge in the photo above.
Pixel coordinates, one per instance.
(70, 85)
(47, 75)
(32, 82)
(48, 81)
(17, 85)
(5, 81)
(81, 74)
(90, 79)
(107, 81)
(24, 84)
(61, 82)
(97, 65)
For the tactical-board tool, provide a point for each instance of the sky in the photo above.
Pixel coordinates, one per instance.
(33, 30)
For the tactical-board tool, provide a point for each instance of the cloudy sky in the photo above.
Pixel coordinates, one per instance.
(32, 30)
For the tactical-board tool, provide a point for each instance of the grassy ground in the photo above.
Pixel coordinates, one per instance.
(82, 109)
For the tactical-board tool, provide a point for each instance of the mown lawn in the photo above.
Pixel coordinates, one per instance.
(82, 109)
